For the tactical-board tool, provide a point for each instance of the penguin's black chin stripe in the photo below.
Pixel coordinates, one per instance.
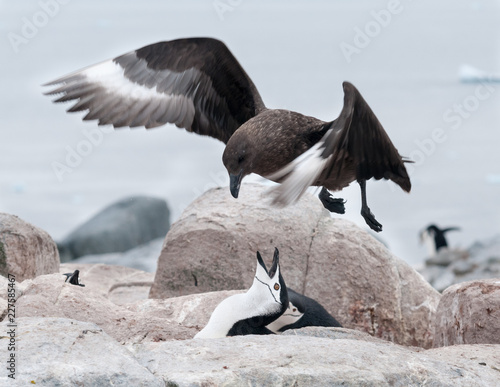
(291, 315)
(257, 278)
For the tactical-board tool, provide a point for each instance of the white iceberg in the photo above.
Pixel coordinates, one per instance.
(468, 73)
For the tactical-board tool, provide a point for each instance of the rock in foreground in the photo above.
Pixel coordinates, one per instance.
(311, 361)
(25, 250)
(110, 300)
(358, 281)
(62, 352)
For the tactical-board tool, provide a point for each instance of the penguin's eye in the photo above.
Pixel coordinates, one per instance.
(276, 287)
(241, 158)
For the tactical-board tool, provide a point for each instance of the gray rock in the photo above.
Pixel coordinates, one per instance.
(483, 359)
(445, 257)
(469, 313)
(481, 251)
(453, 266)
(446, 279)
(124, 294)
(285, 360)
(486, 270)
(25, 250)
(108, 279)
(432, 274)
(358, 281)
(3, 297)
(63, 352)
(463, 267)
(121, 226)
(66, 352)
(50, 296)
(177, 318)
(333, 333)
(114, 305)
(143, 257)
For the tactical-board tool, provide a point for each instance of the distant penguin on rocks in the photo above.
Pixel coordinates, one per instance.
(72, 278)
(434, 238)
(302, 312)
(249, 313)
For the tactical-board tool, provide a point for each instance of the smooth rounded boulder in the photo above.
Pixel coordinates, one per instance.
(469, 313)
(113, 298)
(123, 225)
(358, 281)
(214, 243)
(26, 251)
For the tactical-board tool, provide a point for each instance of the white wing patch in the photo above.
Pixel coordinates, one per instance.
(110, 75)
(133, 103)
(299, 174)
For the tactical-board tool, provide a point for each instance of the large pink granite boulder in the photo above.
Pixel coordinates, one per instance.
(25, 250)
(469, 313)
(361, 283)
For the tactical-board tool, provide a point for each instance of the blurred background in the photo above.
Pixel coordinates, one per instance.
(429, 70)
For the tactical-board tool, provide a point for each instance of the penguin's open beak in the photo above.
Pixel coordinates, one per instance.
(234, 183)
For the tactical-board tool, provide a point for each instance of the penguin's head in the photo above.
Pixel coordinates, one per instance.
(431, 230)
(272, 279)
(291, 316)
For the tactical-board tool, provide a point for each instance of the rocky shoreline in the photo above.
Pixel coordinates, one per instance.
(452, 266)
(130, 327)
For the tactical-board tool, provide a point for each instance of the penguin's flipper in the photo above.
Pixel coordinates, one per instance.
(451, 229)
(72, 278)
(68, 275)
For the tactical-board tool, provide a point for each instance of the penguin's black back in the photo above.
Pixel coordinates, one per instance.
(252, 326)
(439, 238)
(74, 280)
(314, 314)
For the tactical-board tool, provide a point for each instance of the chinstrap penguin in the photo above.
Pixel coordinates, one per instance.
(303, 312)
(72, 278)
(249, 313)
(434, 238)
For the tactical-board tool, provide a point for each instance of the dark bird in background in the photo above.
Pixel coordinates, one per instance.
(197, 84)
(434, 237)
(72, 278)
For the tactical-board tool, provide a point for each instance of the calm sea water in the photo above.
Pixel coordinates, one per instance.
(403, 56)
